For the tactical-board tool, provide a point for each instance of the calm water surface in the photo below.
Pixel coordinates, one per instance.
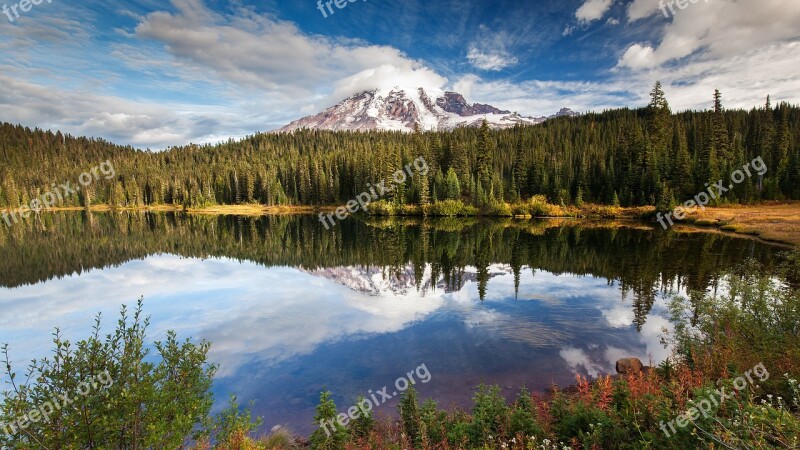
(291, 307)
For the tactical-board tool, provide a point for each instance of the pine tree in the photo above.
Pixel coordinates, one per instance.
(780, 153)
(410, 416)
(720, 130)
(329, 435)
(520, 172)
(452, 186)
(659, 120)
(681, 176)
(424, 194)
(486, 148)
(458, 160)
(362, 425)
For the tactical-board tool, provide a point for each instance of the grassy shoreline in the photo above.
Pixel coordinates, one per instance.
(776, 222)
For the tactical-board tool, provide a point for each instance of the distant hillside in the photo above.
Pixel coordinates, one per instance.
(636, 157)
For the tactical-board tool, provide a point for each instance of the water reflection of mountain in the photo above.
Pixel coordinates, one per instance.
(376, 280)
(452, 252)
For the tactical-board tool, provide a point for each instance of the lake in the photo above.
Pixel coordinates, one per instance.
(291, 307)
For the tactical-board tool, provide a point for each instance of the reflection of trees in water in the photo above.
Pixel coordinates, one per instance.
(644, 262)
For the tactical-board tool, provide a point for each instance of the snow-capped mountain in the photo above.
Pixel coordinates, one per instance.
(398, 109)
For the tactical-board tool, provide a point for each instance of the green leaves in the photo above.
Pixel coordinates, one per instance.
(330, 435)
(101, 393)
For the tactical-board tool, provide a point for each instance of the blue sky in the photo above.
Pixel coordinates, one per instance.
(159, 73)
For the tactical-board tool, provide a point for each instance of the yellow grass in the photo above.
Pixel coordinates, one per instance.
(776, 222)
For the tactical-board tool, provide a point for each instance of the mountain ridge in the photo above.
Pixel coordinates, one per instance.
(397, 110)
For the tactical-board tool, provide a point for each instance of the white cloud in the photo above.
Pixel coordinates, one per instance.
(537, 97)
(640, 9)
(489, 50)
(490, 61)
(410, 75)
(146, 124)
(261, 52)
(718, 29)
(770, 70)
(747, 50)
(638, 56)
(593, 10)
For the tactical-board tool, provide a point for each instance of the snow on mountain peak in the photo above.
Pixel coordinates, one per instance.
(401, 109)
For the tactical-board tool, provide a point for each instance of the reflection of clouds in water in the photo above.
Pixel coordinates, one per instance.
(249, 313)
(95, 289)
(175, 290)
(484, 318)
(527, 330)
(261, 316)
(593, 361)
(298, 324)
(578, 359)
(553, 291)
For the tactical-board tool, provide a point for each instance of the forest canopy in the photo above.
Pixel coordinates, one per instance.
(631, 157)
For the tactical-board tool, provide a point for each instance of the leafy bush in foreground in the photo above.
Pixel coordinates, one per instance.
(109, 392)
(145, 405)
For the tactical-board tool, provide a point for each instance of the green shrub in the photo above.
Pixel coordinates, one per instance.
(757, 321)
(539, 207)
(576, 420)
(458, 433)
(744, 422)
(234, 422)
(497, 209)
(521, 209)
(148, 402)
(489, 416)
(409, 210)
(450, 208)
(434, 422)
(381, 208)
(522, 422)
